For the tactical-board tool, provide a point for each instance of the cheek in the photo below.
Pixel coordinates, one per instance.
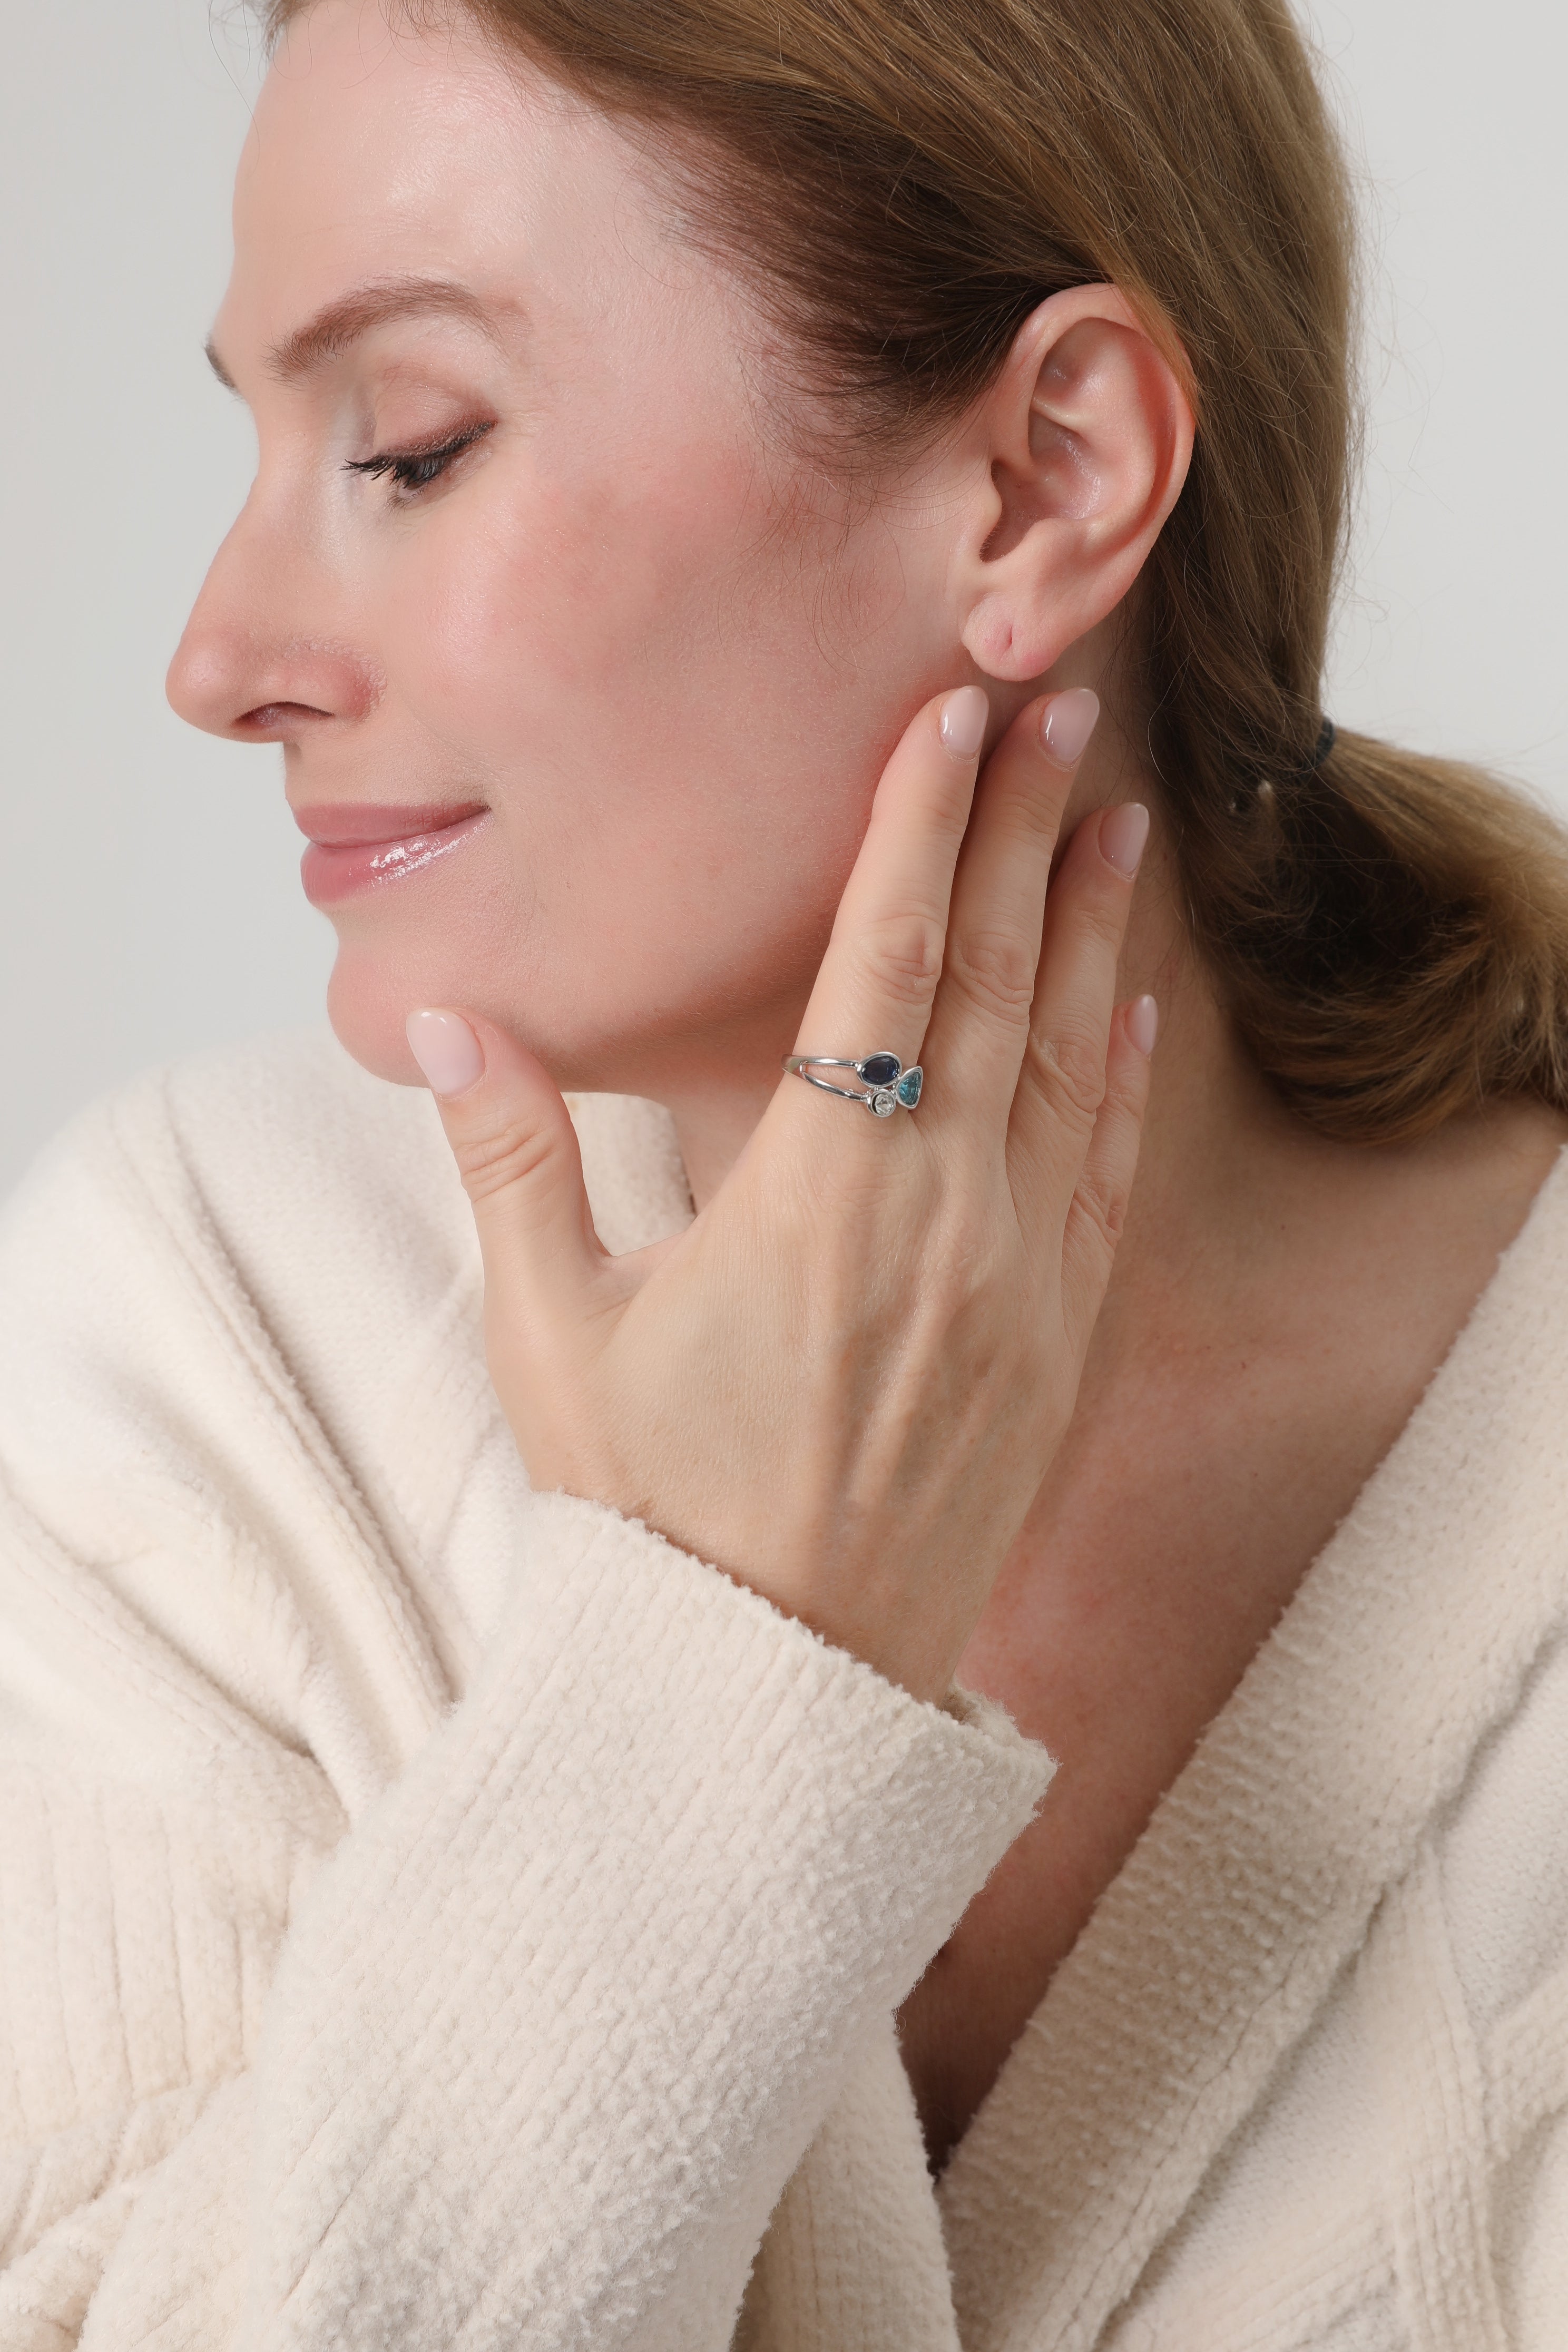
(660, 690)
(678, 708)
(566, 620)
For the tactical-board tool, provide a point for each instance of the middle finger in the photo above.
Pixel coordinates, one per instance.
(979, 1025)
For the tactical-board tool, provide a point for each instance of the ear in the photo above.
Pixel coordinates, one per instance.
(1084, 441)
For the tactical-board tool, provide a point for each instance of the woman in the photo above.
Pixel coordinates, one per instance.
(528, 1830)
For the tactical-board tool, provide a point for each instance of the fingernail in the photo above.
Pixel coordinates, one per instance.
(1068, 723)
(1143, 1023)
(1123, 830)
(446, 1050)
(964, 718)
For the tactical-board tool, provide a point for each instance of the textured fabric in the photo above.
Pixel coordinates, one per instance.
(437, 1915)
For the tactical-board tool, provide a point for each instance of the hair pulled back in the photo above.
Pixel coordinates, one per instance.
(907, 179)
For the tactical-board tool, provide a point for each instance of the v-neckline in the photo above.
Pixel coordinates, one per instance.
(1307, 1796)
(1207, 1956)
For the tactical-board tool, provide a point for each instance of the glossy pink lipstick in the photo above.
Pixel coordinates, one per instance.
(356, 846)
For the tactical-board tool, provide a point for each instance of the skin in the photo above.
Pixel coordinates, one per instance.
(697, 680)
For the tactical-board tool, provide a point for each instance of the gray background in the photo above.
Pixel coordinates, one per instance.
(149, 899)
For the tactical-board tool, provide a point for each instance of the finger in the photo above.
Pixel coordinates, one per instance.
(1061, 1084)
(980, 1021)
(517, 1154)
(874, 991)
(1098, 1207)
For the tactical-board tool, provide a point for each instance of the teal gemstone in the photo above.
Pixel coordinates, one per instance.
(909, 1088)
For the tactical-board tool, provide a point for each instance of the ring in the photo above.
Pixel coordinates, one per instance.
(891, 1086)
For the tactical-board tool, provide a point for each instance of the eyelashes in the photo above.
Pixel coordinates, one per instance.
(411, 471)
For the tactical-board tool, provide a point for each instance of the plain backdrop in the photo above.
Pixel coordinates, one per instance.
(149, 894)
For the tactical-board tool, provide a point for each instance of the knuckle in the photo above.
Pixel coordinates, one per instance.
(946, 790)
(1103, 916)
(996, 973)
(1070, 1074)
(1102, 1203)
(903, 952)
(1127, 1090)
(1030, 819)
(497, 1160)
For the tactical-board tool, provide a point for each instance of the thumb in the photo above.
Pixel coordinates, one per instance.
(516, 1150)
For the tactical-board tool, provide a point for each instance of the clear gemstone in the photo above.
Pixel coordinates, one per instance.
(884, 1102)
(879, 1069)
(908, 1087)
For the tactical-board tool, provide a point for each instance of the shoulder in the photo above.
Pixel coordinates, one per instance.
(276, 1172)
(217, 1284)
(222, 1286)
(1491, 1919)
(285, 1152)
(267, 1216)
(285, 1124)
(1486, 1550)
(1492, 1419)
(243, 1394)
(1503, 1839)
(236, 1117)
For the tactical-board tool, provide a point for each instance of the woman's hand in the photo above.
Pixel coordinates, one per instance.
(844, 1382)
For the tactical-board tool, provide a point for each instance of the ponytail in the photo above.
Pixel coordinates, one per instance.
(1390, 932)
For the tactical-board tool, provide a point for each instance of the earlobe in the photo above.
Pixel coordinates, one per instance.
(1089, 433)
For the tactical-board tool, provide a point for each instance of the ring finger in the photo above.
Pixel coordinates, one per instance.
(1062, 1082)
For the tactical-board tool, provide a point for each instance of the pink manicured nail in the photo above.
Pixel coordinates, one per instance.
(1068, 723)
(1123, 830)
(1142, 1022)
(446, 1050)
(964, 718)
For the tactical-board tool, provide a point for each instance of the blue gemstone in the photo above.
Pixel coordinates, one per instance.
(910, 1086)
(879, 1069)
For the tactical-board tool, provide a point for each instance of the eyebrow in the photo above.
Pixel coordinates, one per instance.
(330, 334)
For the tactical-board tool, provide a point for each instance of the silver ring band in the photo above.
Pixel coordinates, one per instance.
(888, 1086)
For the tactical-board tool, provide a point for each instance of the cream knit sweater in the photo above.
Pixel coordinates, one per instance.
(435, 1915)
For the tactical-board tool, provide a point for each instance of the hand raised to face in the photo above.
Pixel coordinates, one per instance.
(844, 1382)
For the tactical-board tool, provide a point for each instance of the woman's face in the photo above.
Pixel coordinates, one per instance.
(652, 658)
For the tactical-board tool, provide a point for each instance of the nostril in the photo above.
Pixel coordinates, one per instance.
(226, 677)
(275, 717)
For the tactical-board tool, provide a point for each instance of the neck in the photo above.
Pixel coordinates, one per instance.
(1228, 1179)
(716, 1102)
(1209, 1112)
(712, 1123)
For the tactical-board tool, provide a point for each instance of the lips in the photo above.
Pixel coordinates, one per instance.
(367, 846)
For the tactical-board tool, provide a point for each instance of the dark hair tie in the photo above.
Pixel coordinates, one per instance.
(1300, 773)
(1310, 764)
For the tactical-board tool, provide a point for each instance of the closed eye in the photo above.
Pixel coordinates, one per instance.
(416, 468)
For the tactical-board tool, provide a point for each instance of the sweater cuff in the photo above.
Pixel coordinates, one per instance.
(751, 1695)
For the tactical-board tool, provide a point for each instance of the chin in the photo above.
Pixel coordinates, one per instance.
(368, 1023)
(607, 1010)
(370, 995)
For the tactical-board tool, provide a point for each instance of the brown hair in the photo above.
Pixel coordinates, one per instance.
(908, 178)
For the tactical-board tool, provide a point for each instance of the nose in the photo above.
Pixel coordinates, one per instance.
(264, 656)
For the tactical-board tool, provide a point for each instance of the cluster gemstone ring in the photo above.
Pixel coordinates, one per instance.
(887, 1086)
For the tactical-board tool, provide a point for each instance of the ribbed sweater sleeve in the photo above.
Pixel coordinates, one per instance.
(563, 2014)
(525, 2055)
